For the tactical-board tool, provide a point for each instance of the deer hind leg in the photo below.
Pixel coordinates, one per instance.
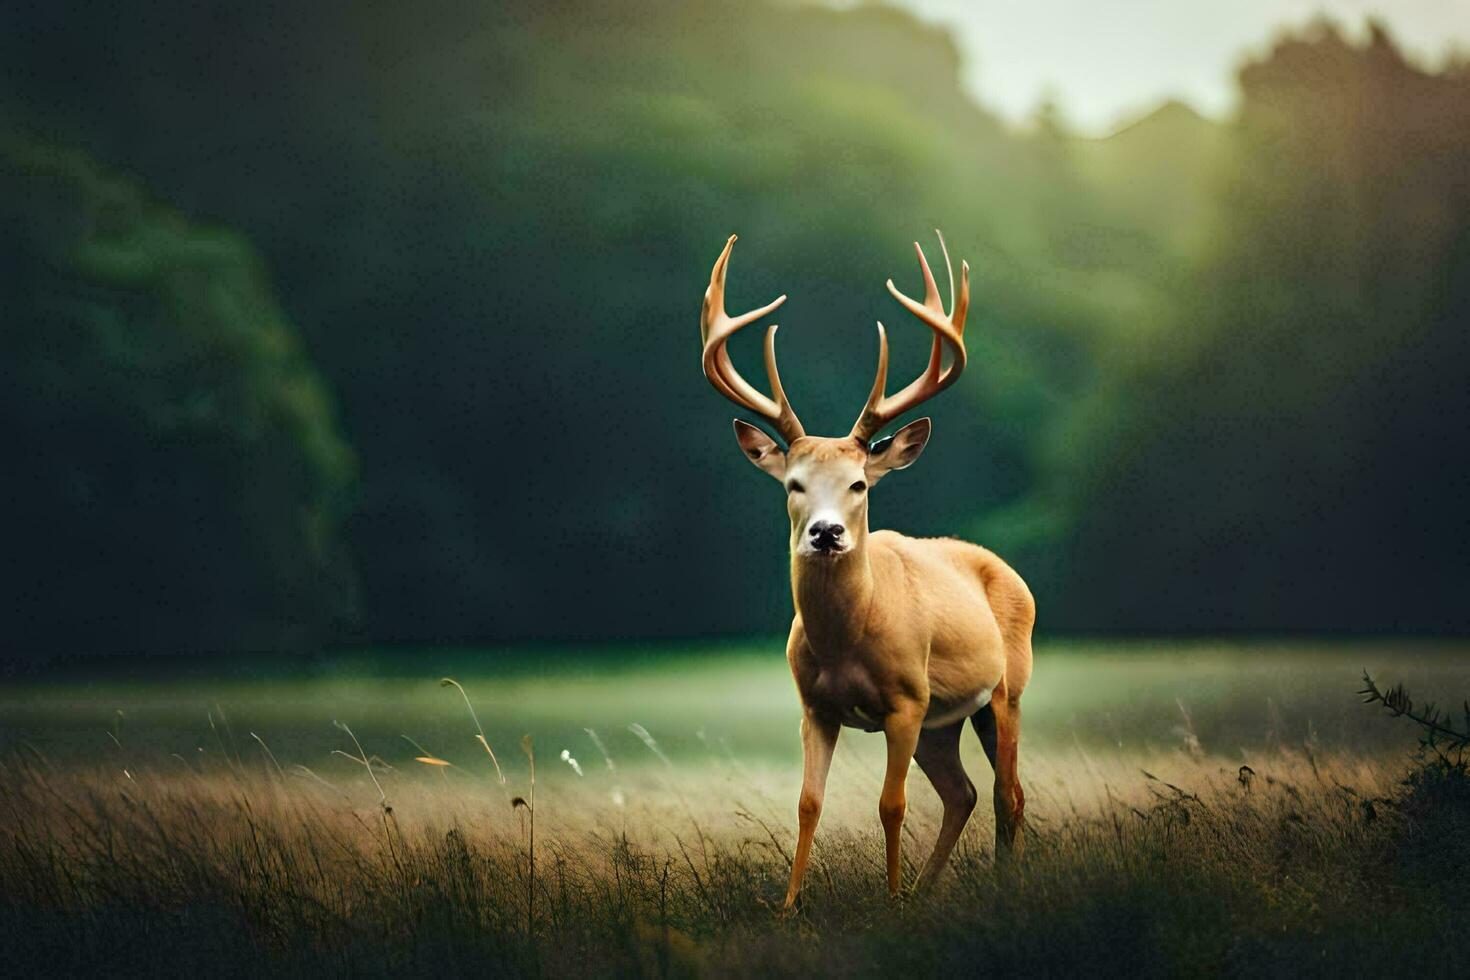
(999, 726)
(938, 755)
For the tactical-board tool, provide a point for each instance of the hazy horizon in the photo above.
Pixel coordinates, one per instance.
(1105, 66)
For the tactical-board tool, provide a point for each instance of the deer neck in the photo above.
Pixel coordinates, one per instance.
(832, 596)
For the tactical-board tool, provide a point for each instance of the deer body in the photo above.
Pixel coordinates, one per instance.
(906, 636)
(945, 647)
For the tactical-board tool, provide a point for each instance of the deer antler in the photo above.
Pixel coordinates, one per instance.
(949, 329)
(716, 328)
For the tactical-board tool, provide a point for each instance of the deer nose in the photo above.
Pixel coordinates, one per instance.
(827, 530)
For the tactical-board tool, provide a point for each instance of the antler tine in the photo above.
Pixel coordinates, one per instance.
(716, 327)
(948, 332)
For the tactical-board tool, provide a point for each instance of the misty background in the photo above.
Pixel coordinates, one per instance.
(340, 324)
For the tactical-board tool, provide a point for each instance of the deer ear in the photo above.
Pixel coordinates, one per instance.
(898, 450)
(760, 449)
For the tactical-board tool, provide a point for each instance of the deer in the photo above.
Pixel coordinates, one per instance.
(907, 636)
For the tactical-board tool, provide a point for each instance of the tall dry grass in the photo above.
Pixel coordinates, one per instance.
(1176, 863)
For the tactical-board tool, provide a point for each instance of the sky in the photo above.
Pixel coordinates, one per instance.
(1109, 61)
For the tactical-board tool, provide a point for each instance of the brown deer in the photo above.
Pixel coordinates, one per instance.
(905, 636)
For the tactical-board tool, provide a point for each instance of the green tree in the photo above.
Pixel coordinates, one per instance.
(1293, 456)
(176, 478)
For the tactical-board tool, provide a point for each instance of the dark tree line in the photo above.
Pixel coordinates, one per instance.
(1297, 457)
(449, 390)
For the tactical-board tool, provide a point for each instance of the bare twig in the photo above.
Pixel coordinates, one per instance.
(1438, 732)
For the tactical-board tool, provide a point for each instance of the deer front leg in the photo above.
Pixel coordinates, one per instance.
(902, 730)
(818, 739)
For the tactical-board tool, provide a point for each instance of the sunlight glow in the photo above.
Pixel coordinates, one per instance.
(1107, 63)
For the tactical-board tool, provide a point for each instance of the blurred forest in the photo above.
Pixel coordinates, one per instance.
(340, 323)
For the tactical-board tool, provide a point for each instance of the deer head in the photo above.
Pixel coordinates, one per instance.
(827, 478)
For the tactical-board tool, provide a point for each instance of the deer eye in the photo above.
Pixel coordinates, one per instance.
(858, 487)
(794, 487)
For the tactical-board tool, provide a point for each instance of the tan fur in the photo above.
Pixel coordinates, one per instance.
(892, 631)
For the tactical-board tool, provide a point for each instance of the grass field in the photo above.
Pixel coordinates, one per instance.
(218, 821)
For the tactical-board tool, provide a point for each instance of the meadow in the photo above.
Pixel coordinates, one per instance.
(1194, 808)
